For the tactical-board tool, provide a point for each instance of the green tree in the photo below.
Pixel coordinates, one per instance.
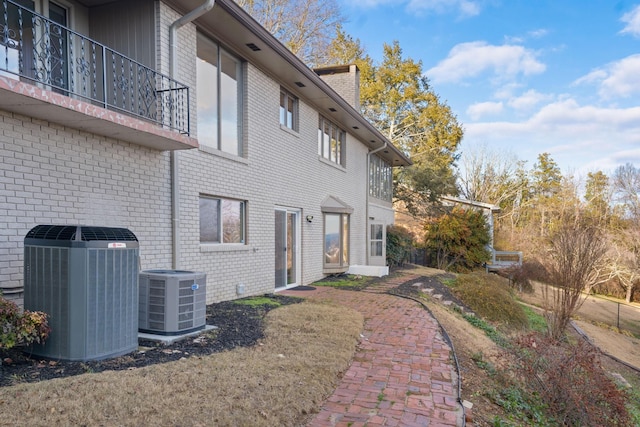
(398, 100)
(458, 239)
(598, 198)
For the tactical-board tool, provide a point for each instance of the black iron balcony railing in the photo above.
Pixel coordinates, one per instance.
(48, 54)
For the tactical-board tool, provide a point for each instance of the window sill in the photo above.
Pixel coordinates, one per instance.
(289, 130)
(224, 247)
(333, 164)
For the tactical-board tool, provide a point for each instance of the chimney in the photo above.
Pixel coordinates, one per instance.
(345, 80)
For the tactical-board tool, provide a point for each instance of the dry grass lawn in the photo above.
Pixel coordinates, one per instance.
(280, 382)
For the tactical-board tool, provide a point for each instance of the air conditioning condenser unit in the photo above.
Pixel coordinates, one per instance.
(172, 302)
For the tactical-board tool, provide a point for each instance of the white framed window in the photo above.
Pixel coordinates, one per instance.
(380, 179)
(331, 141)
(288, 110)
(219, 97)
(222, 220)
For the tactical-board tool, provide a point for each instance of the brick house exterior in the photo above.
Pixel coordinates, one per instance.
(68, 158)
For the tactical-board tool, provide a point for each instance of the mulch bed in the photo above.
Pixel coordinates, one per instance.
(239, 325)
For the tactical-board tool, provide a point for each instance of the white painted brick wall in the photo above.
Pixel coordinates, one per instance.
(50, 174)
(53, 174)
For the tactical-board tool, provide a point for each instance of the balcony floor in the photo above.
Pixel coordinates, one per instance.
(32, 101)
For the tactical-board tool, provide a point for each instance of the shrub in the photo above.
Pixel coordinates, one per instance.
(491, 298)
(520, 276)
(399, 245)
(21, 327)
(571, 382)
(458, 239)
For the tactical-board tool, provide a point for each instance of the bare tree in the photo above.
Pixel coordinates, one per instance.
(306, 27)
(575, 266)
(623, 261)
(489, 176)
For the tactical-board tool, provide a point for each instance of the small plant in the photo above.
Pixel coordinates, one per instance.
(489, 330)
(21, 327)
(520, 406)
(478, 359)
(537, 322)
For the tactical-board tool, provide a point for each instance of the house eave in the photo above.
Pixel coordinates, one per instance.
(232, 25)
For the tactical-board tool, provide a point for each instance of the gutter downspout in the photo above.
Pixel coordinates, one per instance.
(366, 222)
(175, 177)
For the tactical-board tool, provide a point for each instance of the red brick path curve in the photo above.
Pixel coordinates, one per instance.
(402, 373)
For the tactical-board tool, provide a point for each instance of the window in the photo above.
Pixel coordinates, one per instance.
(380, 179)
(218, 97)
(377, 237)
(288, 110)
(331, 141)
(336, 240)
(221, 220)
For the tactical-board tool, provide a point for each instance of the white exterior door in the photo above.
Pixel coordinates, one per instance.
(287, 248)
(377, 243)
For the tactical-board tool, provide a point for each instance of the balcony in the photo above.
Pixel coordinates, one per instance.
(51, 72)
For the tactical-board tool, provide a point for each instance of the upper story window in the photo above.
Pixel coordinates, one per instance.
(288, 110)
(380, 179)
(219, 98)
(222, 220)
(331, 141)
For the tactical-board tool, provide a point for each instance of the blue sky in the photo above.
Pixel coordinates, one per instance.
(524, 76)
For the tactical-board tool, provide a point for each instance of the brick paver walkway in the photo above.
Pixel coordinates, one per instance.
(402, 373)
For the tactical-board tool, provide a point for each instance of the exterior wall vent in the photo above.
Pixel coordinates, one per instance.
(86, 280)
(172, 302)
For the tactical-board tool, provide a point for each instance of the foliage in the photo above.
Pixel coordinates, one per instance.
(491, 332)
(399, 245)
(397, 98)
(491, 298)
(571, 382)
(458, 239)
(303, 26)
(21, 328)
(574, 258)
(537, 322)
(519, 406)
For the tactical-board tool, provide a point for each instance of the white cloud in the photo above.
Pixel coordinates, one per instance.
(481, 109)
(632, 19)
(617, 79)
(471, 59)
(528, 100)
(465, 8)
(539, 33)
(577, 136)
